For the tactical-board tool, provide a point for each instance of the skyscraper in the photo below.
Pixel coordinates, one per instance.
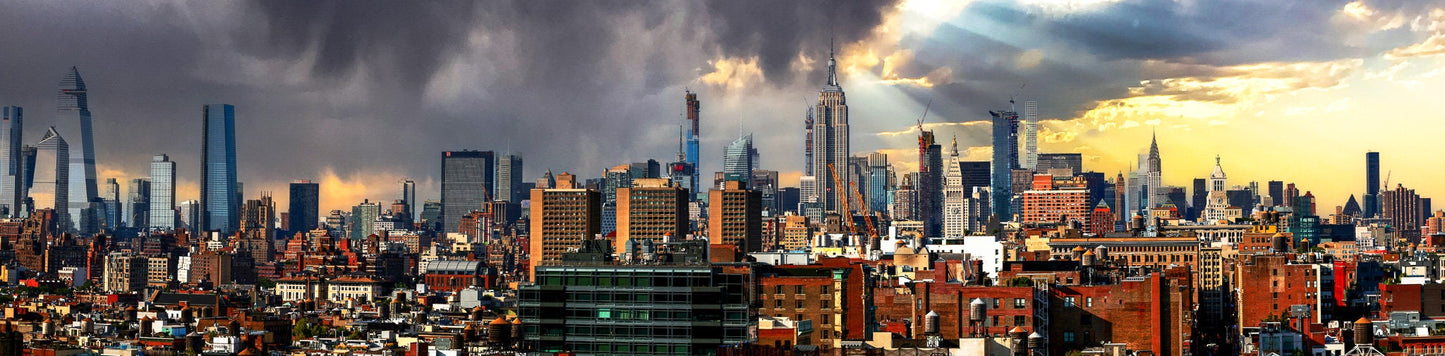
(1276, 193)
(877, 182)
(509, 179)
(735, 217)
(562, 218)
(1030, 158)
(1005, 160)
(219, 190)
(51, 188)
(408, 201)
(830, 140)
(1402, 206)
(928, 186)
(190, 214)
(363, 219)
(1218, 200)
(12, 187)
(140, 203)
(163, 194)
(650, 209)
(304, 206)
(694, 148)
(466, 178)
(738, 164)
(73, 108)
(1155, 176)
(1073, 162)
(112, 205)
(1372, 184)
(1197, 200)
(955, 199)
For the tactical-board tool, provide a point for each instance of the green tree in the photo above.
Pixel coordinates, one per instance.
(301, 330)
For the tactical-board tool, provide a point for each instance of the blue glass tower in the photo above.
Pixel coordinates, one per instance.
(73, 117)
(219, 205)
(12, 191)
(1005, 159)
(694, 109)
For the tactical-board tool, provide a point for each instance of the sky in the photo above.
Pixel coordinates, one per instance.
(359, 95)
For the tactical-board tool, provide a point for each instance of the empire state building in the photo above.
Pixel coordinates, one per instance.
(830, 141)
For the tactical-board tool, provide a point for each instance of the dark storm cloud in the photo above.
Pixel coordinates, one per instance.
(776, 31)
(377, 89)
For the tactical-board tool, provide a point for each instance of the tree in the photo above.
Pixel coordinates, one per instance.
(1021, 282)
(264, 282)
(301, 330)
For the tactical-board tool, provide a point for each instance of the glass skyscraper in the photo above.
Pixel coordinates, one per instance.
(738, 162)
(163, 194)
(73, 117)
(509, 179)
(12, 189)
(51, 186)
(218, 169)
(304, 206)
(466, 178)
(1005, 159)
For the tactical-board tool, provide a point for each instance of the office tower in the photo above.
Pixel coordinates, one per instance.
(431, 215)
(363, 219)
(1048, 163)
(304, 206)
(27, 165)
(163, 194)
(928, 186)
(649, 169)
(1121, 190)
(466, 176)
(1218, 200)
(561, 219)
(51, 189)
(1154, 176)
(12, 174)
(694, 148)
(1197, 199)
(1276, 193)
(140, 203)
(219, 190)
(1005, 160)
(735, 217)
(651, 209)
(73, 117)
(1372, 184)
(403, 210)
(190, 214)
(830, 140)
(258, 216)
(808, 142)
(738, 164)
(1046, 204)
(1290, 195)
(1402, 207)
(113, 214)
(954, 197)
(766, 183)
(1030, 158)
(877, 193)
(509, 179)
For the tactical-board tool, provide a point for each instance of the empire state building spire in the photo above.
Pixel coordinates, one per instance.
(832, 66)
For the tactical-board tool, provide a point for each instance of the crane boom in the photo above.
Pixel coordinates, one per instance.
(868, 219)
(844, 212)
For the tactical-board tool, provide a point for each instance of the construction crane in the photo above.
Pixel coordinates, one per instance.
(844, 212)
(924, 117)
(867, 218)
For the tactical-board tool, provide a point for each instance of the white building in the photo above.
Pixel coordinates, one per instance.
(955, 200)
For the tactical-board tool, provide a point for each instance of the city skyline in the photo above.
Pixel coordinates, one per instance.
(1228, 94)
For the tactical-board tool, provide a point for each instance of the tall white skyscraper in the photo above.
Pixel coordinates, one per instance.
(830, 140)
(73, 117)
(163, 194)
(12, 172)
(50, 188)
(1030, 158)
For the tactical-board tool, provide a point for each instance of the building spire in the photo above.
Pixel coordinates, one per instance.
(832, 65)
(955, 145)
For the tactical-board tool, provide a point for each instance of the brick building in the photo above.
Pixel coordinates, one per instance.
(1152, 313)
(832, 293)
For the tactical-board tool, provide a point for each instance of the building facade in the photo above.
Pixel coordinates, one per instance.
(466, 178)
(163, 194)
(220, 194)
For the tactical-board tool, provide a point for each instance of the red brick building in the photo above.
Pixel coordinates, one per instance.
(832, 293)
(1151, 313)
(1267, 285)
(451, 276)
(906, 304)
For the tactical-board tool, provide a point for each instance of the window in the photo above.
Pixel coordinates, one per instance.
(1018, 320)
(1089, 302)
(1068, 336)
(995, 320)
(604, 313)
(1069, 302)
(778, 289)
(995, 303)
(1018, 303)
